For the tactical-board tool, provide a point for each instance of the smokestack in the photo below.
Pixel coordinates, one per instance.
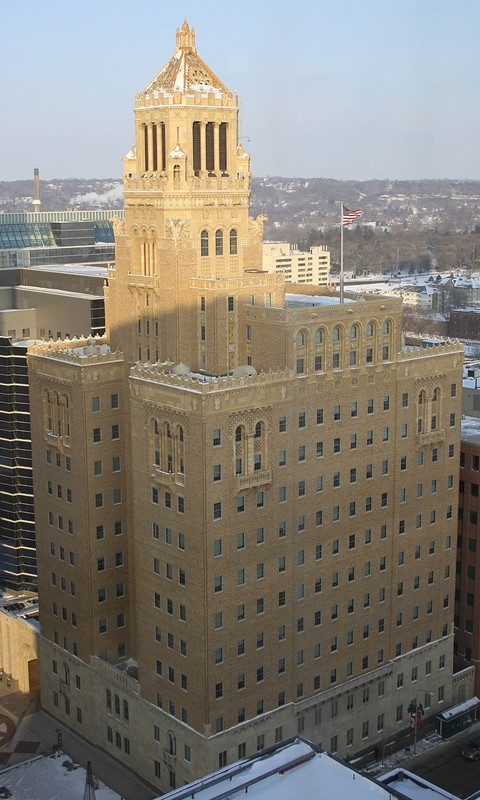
(37, 203)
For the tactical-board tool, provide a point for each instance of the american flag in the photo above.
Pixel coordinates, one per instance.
(350, 215)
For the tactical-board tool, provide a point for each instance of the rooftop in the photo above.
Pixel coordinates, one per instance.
(50, 778)
(297, 768)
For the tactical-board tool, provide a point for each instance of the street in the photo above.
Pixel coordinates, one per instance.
(445, 767)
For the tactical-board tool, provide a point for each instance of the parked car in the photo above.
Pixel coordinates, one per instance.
(472, 751)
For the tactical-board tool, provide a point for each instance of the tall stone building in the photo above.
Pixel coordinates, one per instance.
(245, 499)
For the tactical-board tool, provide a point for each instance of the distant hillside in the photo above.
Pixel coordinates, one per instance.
(314, 202)
(427, 224)
(301, 201)
(58, 195)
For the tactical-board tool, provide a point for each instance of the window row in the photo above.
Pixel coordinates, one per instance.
(97, 433)
(97, 402)
(60, 522)
(218, 239)
(354, 507)
(170, 606)
(58, 460)
(339, 332)
(168, 500)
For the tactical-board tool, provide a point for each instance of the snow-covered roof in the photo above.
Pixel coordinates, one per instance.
(46, 778)
(314, 300)
(462, 708)
(470, 429)
(295, 768)
(185, 71)
(414, 787)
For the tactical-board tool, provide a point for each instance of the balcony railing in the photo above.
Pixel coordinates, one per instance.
(259, 478)
(432, 437)
(168, 478)
(170, 759)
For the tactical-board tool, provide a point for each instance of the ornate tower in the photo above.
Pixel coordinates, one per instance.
(188, 254)
(231, 558)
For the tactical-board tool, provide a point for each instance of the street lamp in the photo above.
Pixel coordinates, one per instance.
(416, 711)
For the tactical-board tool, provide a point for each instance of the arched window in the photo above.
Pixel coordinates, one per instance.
(421, 397)
(233, 242)
(354, 332)
(301, 339)
(176, 176)
(386, 327)
(219, 243)
(318, 336)
(258, 430)
(204, 243)
(180, 433)
(336, 335)
(238, 434)
(155, 426)
(172, 744)
(436, 394)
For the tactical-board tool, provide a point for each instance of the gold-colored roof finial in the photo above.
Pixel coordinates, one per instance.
(186, 37)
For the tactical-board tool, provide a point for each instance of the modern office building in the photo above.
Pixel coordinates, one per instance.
(297, 266)
(245, 497)
(40, 298)
(38, 238)
(35, 303)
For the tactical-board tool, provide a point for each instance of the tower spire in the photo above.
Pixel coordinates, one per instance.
(186, 37)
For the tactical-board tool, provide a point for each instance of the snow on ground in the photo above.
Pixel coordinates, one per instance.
(46, 778)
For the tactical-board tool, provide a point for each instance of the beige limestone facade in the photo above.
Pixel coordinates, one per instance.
(246, 506)
(18, 652)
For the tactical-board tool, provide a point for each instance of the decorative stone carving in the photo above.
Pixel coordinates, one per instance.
(255, 227)
(177, 230)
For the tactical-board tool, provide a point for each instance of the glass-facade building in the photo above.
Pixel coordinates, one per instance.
(17, 523)
(56, 237)
(29, 240)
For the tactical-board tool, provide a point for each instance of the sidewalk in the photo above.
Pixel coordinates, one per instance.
(26, 731)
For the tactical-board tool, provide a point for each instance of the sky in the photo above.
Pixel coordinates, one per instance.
(351, 90)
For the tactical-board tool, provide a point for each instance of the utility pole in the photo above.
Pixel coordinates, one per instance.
(89, 793)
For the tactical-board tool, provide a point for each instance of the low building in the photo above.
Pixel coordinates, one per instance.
(19, 641)
(421, 297)
(296, 768)
(464, 323)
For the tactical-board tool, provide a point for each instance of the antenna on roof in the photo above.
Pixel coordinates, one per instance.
(37, 203)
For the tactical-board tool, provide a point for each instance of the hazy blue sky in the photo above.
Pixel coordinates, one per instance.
(350, 90)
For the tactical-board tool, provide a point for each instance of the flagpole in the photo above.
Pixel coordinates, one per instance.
(341, 251)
